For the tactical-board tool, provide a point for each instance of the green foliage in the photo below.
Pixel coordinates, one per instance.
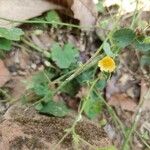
(39, 83)
(101, 84)
(86, 76)
(93, 106)
(147, 40)
(53, 17)
(71, 88)
(123, 37)
(107, 49)
(9, 35)
(13, 34)
(65, 56)
(100, 6)
(5, 44)
(58, 109)
(141, 44)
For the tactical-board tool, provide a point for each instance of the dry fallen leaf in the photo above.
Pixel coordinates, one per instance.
(17, 86)
(123, 101)
(145, 95)
(128, 6)
(23, 10)
(85, 11)
(4, 74)
(83, 92)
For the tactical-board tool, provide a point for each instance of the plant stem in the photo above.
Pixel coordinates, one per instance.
(62, 139)
(47, 22)
(32, 45)
(112, 113)
(83, 68)
(78, 118)
(135, 14)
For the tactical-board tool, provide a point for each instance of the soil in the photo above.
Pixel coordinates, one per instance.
(30, 130)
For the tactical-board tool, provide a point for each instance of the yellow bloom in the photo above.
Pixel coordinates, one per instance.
(107, 64)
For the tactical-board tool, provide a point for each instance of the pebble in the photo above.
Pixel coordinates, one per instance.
(22, 73)
(40, 68)
(33, 66)
(14, 73)
(47, 63)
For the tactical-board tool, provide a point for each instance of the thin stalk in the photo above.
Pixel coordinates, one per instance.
(112, 113)
(135, 14)
(46, 22)
(72, 129)
(32, 45)
(83, 68)
(62, 139)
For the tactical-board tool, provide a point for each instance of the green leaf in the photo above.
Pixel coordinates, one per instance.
(53, 108)
(85, 76)
(65, 56)
(41, 90)
(93, 107)
(141, 45)
(145, 60)
(100, 7)
(147, 40)
(42, 77)
(123, 37)
(71, 88)
(107, 49)
(39, 83)
(104, 23)
(5, 44)
(11, 34)
(101, 84)
(53, 17)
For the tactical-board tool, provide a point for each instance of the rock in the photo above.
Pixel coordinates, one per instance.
(24, 129)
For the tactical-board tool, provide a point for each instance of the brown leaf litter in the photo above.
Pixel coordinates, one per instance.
(23, 10)
(4, 74)
(27, 9)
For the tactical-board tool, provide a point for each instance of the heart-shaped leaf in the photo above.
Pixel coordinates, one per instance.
(65, 56)
(58, 109)
(123, 37)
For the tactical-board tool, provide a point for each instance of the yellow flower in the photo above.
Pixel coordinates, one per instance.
(107, 64)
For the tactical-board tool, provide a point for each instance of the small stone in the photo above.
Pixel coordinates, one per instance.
(47, 63)
(14, 73)
(12, 68)
(33, 66)
(22, 73)
(41, 67)
(110, 131)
